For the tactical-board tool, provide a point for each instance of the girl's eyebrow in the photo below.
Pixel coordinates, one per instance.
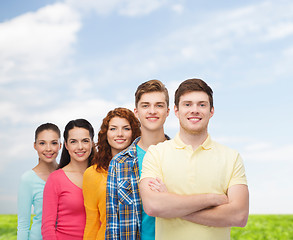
(112, 125)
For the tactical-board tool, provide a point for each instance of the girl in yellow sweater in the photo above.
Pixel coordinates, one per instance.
(119, 128)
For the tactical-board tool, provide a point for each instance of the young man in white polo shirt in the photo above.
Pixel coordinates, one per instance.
(192, 165)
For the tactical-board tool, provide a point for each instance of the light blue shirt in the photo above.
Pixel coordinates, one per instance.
(148, 222)
(30, 193)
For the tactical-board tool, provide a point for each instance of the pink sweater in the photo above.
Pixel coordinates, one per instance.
(63, 209)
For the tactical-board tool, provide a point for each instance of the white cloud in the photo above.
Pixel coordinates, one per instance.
(140, 7)
(129, 8)
(178, 8)
(279, 31)
(259, 151)
(268, 152)
(99, 6)
(36, 42)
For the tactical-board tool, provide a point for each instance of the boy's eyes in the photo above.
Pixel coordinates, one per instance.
(146, 105)
(201, 104)
(84, 140)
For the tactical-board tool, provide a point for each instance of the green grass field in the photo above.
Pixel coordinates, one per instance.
(259, 227)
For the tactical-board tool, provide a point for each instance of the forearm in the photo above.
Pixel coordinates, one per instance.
(23, 221)
(234, 213)
(113, 224)
(220, 216)
(24, 205)
(170, 205)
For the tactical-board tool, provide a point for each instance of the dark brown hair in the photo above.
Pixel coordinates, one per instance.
(191, 85)
(151, 86)
(104, 154)
(79, 123)
(47, 126)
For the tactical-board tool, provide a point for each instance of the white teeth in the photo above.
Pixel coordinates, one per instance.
(194, 119)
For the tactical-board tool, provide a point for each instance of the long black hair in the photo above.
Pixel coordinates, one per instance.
(80, 123)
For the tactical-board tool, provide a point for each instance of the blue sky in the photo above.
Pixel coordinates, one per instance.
(62, 60)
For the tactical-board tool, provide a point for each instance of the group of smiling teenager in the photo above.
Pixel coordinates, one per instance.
(136, 183)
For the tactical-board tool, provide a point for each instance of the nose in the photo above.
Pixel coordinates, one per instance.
(120, 132)
(194, 109)
(48, 147)
(79, 145)
(152, 109)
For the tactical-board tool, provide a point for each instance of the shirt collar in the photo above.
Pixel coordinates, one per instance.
(131, 150)
(207, 144)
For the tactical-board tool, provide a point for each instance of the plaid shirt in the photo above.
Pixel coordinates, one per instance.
(123, 201)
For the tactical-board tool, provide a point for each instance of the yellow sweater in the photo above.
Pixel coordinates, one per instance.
(94, 193)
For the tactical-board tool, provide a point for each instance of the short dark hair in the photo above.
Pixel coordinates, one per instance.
(151, 86)
(193, 84)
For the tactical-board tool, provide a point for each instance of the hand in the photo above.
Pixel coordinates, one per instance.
(219, 199)
(157, 185)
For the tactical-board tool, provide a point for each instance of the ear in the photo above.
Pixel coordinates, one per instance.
(176, 111)
(168, 111)
(212, 112)
(35, 146)
(60, 145)
(65, 144)
(135, 112)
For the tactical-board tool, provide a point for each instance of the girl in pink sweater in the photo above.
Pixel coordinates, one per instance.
(63, 207)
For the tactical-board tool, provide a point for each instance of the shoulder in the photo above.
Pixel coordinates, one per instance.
(56, 175)
(28, 176)
(224, 150)
(90, 170)
(168, 144)
(92, 173)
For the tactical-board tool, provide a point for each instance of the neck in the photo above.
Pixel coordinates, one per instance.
(75, 166)
(193, 139)
(151, 138)
(114, 152)
(47, 167)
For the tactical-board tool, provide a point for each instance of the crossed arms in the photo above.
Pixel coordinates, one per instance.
(217, 210)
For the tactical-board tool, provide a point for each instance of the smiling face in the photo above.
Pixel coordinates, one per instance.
(119, 134)
(47, 145)
(79, 144)
(152, 111)
(194, 112)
